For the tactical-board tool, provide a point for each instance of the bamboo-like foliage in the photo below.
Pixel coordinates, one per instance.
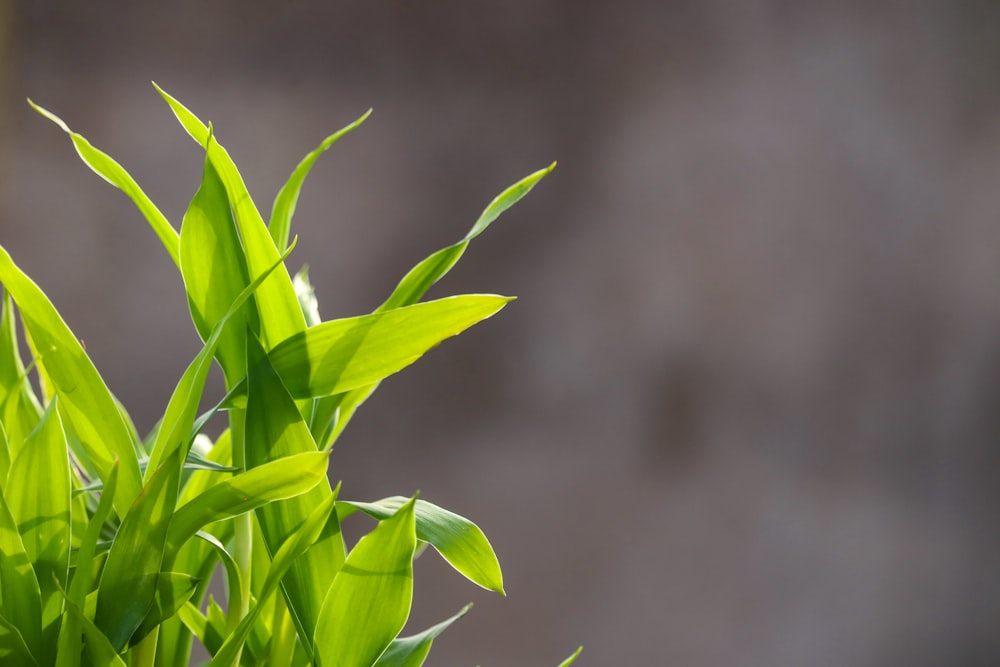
(108, 540)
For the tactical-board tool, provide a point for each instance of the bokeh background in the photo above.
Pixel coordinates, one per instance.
(746, 409)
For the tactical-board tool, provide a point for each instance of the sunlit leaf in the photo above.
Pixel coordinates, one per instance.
(570, 660)
(128, 584)
(293, 548)
(276, 480)
(412, 651)
(288, 196)
(279, 309)
(69, 634)
(275, 432)
(461, 542)
(113, 173)
(369, 601)
(84, 399)
(22, 604)
(43, 516)
(354, 352)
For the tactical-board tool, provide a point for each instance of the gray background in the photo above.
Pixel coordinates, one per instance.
(745, 411)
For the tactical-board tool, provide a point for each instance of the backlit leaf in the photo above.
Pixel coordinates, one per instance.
(113, 173)
(461, 542)
(369, 601)
(38, 494)
(412, 651)
(293, 548)
(288, 196)
(84, 399)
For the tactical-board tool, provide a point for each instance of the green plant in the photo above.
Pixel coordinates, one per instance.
(108, 540)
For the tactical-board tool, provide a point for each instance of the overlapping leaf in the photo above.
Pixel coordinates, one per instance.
(332, 413)
(293, 548)
(279, 309)
(344, 354)
(461, 542)
(369, 601)
(274, 431)
(83, 397)
(43, 518)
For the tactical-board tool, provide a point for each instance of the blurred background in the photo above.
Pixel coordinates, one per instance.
(746, 408)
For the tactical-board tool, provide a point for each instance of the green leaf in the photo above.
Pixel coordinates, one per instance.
(39, 495)
(215, 271)
(415, 284)
(84, 399)
(69, 634)
(277, 480)
(127, 587)
(344, 354)
(233, 585)
(369, 601)
(19, 408)
(332, 413)
(173, 590)
(22, 604)
(176, 427)
(113, 173)
(102, 653)
(275, 431)
(13, 651)
(288, 196)
(570, 660)
(281, 316)
(412, 651)
(457, 539)
(293, 548)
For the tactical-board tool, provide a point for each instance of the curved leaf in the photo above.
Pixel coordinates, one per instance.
(354, 352)
(84, 399)
(461, 542)
(288, 196)
(412, 651)
(113, 173)
(277, 480)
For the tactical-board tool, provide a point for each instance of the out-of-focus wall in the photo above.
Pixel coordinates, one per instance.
(746, 410)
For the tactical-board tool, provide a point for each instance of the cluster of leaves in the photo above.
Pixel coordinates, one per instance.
(109, 540)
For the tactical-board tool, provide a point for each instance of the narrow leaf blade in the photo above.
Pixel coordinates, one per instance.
(83, 397)
(345, 354)
(112, 172)
(412, 651)
(288, 196)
